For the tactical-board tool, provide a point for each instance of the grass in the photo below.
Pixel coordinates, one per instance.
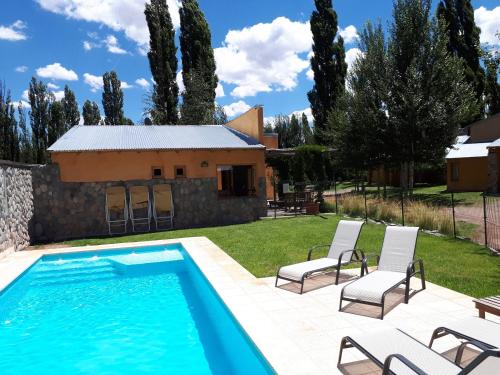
(264, 245)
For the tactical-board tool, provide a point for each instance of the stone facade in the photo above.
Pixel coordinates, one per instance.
(16, 206)
(51, 210)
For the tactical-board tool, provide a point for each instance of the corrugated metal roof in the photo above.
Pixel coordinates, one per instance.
(495, 144)
(468, 150)
(168, 137)
(462, 138)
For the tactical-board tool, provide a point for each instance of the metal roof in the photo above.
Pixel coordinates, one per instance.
(495, 144)
(468, 150)
(168, 137)
(462, 138)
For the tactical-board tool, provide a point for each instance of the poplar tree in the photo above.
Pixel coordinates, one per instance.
(91, 113)
(162, 62)
(294, 132)
(112, 99)
(457, 17)
(198, 65)
(328, 64)
(56, 127)
(25, 147)
(70, 107)
(220, 116)
(39, 99)
(9, 144)
(492, 88)
(307, 134)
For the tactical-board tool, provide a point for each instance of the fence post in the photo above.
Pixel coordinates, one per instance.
(453, 214)
(402, 207)
(274, 194)
(366, 208)
(335, 191)
(485, 221)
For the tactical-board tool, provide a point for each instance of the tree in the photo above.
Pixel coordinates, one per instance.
(281, 126)
(294, 132)
(56, 127)
(112, 99)
(220, 116)
(39, 118)
(492, 87)
(328, 64)
(198, 64)
(268, 128)
(162, 62)
(9, 144)
(307, 134)
(70, 107)
(25, 147)
(91, 113)
(457, 18)
(429, 95)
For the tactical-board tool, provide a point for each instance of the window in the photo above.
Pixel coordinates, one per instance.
(455, 172)
(236, 180)
(157, 172)
(180, 171)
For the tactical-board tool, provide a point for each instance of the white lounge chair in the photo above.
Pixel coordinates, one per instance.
(395, 267)
(480, 331)
(116, 209)
(395, 352)
(163, 206)
(140, 208)
(342, 250)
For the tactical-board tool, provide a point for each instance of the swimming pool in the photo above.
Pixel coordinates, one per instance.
(125, 311)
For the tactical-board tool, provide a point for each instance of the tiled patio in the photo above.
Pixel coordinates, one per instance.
(298, 334)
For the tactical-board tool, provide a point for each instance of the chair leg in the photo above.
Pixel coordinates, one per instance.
(342, 347)
(407, 291)
(337, 276)
(302, 286)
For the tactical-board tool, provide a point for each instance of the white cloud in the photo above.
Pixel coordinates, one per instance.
(57, 72)
(264, 57)
(25, 104)
(219, 91)
(236, 108)
(310, 75)
(52, 86)
(119, 15)
(308, 113)
(351, 55)
(489, 22)
(180, 82)
(58, 94)
(21, 69)
(125, 85)
(142, 82)
(113, 46)
(87, 46)
(95, 82)
(349, 34)
(13, 32)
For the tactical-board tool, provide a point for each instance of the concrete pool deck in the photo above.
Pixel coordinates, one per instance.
(298, 334)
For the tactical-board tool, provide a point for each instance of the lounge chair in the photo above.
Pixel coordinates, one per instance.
(395, 352)
(480, 331)
(116, 209)
(140, 209)
(342, 250)
(163, 206)
(395, 267)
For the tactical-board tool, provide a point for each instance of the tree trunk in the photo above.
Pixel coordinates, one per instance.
(411, 176)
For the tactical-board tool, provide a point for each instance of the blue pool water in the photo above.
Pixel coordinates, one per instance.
(129, 311)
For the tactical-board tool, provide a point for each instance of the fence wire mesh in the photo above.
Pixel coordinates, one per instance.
(492, 221)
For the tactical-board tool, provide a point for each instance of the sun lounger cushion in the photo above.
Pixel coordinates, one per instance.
(371, 287)
(383, 343)
(482, 330)
(296, 271)
(398, 248)
(345, 238)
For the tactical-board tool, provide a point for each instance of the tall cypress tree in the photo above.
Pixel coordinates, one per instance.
(463, 42)
(70, 106)
(91, 113)
(112, 99)
(307, 134)
(162, 62)
(39, 117)
(294, 132)
(328, 64)
(198, 64)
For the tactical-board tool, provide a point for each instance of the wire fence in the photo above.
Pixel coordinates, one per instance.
(475, 216)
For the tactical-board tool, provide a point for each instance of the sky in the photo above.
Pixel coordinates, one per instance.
(262, 47)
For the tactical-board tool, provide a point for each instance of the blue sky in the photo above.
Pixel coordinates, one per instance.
(261, 46)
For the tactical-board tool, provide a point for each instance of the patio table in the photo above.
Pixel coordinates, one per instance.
(488, 305)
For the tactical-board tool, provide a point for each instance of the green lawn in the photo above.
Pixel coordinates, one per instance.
(262, 246)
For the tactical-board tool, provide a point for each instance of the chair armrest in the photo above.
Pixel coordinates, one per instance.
(405, 361)
(410, 268)
(479, 359)
(463, 345)
(314, 248)
(355, 253)
(369, 256)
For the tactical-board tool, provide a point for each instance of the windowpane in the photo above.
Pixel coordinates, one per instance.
(236, 180)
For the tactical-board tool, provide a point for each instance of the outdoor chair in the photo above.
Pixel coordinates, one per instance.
(395, 352)
(477, 330)
(116, 209)
(140, 208)
(341, 252)
(396, 266)
(163, 206)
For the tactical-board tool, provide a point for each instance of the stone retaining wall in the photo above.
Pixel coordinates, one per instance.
(16, 206)
(51, 210)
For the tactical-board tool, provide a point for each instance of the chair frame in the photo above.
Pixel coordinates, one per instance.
(169, 220)
(123, 221)
(141, 220)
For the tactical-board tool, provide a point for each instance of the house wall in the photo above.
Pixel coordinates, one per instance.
(250, 123)
(473, 174)
(270, 140)
(132, 165)
(485, 130)
(494, 170)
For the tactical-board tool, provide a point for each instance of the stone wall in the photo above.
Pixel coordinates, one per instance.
(16, 206)
(74, 210)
